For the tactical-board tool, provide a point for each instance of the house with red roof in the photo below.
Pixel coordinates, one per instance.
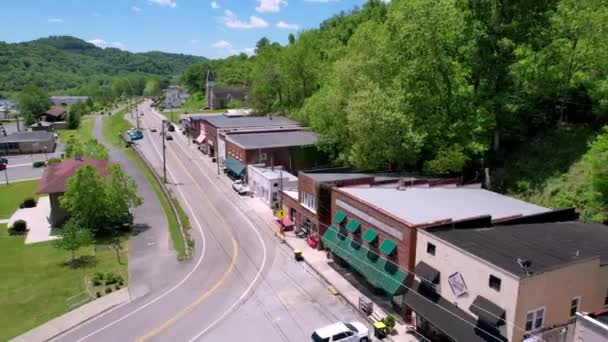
(55, 178)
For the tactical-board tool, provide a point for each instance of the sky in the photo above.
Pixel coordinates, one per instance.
(213, 29)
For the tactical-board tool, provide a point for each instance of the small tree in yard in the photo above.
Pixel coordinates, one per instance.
(84, 198)
(121, 194)
(72, 238)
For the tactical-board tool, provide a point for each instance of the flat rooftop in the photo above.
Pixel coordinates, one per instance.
(277, 173)
(273, 139)
(222, 121)
(426, 205)
(545, 245)
(19, 137)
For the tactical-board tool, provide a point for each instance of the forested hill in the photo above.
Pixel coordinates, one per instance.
(64, 62)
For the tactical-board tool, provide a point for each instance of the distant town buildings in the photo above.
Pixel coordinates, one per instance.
(60, 100)
(27, 143)
(175, 96)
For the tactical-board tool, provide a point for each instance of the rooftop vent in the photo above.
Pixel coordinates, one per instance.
(525, 265)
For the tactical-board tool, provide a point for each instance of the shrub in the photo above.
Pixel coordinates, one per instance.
(108, 289)
(28, 203)
(39, 164)
(20, 226)
(98, 294)
(96, 282)
(117, 287)
(53, 161)
(390, 322)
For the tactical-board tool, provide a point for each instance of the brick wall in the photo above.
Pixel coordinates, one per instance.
(406, 247)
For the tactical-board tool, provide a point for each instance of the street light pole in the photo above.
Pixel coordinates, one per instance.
(164, 156)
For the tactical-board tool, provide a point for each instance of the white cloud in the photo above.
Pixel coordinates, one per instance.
(98, 42)
(163, 3)
(118, 45)
(232, 21)
(135, 9)
(270, 6)
(325, 0)
(215, 5)
(222, 44)
(249, 51)
(55, 20)
(286, 26)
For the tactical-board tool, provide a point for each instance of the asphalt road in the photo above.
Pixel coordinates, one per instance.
(241, 284)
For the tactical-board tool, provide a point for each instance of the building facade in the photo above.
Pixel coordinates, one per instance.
(27, 143)
(512, 282)
(592, 327)
(267, 183)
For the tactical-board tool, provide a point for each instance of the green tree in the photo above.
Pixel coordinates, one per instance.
(85, 199)
(33, 102)
(120, 193)
(261, 44)
(72, 237)
(89, 149)
(598, 177)
(153, 87)
(73, 120)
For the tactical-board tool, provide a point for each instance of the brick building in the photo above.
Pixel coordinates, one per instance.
(374, 228)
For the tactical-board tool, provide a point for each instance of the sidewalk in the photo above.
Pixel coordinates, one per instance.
(318, 261)
(74, 318)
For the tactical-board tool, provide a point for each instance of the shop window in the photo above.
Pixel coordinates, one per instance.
(574, 306)
(535, 319)
(262, 156)
(430, 248)
(495, 282)
(606, 298)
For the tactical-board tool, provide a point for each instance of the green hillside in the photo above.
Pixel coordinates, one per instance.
(64, 62)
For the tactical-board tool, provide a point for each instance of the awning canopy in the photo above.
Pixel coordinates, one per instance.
(370, 235)
(447, 317)
(378, 271)
(201, 138)
(487, 311)
(235, 167)
(388, 246)
(339, 217)
(353, 225)
(426, 272)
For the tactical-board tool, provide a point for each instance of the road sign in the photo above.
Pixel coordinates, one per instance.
(280, 214)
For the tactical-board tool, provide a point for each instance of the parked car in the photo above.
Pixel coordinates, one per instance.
(343, 332)
(137, 135)
(169, 137)
(240, 187)
(171, 128)
(153, 130)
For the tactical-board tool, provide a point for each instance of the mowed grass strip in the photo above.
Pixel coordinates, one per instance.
(83, 133)
(13, 194)
(115, 125)
(37, 286)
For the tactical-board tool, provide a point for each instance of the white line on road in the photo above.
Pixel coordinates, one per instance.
(251, 225)
(195, 268)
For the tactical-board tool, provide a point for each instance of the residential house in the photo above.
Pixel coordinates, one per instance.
(54, 114)
(175, 96)
(592, 327)
(266, 183)
(59, 100)
(27, 143)
(220, 97)
(54, 180)
(522, 282)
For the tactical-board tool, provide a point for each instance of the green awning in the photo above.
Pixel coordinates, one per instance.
(353, 225)
(339, 217)
(378, 271)
(370, 235)
(388, 246)
(235, 167)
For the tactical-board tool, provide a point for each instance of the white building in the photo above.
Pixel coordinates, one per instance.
(592, 327)
(175, 96)
(267, 183)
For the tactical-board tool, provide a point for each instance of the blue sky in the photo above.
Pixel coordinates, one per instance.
(201, 27)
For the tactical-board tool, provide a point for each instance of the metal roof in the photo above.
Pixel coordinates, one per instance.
(222, 121)
(426, 205)
(545, 245)
(273, 139)
(18, 137)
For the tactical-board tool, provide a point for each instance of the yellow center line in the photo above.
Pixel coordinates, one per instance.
(206, 294)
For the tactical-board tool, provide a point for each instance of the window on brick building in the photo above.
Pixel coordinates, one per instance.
(495, 282)
(606, 298)
(535, 319)
(263, 156)
(574, 306)
(430, 248)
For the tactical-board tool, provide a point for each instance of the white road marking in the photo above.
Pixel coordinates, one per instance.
(251, 225)
(195, 268)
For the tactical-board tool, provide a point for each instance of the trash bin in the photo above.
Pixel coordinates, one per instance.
(379, 329)
(298, 255)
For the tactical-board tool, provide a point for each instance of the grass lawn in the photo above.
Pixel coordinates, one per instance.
(83, 133)
(13, 194)
(36, 286)
(112, 127)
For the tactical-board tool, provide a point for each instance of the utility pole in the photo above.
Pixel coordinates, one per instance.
(164, 157)
(217, 158)
(137, 114)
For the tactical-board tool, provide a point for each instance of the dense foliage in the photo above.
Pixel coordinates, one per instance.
(60, 63)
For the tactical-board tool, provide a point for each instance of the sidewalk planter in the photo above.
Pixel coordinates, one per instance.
(379, 329)
(297, 254)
